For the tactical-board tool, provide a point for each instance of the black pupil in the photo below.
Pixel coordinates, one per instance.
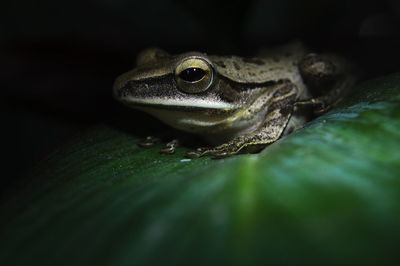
(192, 74)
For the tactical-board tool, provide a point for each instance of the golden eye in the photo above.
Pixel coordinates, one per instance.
(193, 75)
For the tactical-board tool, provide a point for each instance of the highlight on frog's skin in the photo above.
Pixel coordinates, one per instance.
(194, 75)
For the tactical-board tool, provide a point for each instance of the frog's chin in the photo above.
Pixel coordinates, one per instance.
(194, 122)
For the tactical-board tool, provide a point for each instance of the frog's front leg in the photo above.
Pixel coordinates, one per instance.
(271, 129)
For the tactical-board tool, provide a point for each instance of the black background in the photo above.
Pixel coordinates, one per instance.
(58, 59)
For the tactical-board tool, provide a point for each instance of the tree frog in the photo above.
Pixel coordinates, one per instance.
(236, 104)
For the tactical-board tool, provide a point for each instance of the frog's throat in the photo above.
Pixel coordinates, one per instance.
(203, 123)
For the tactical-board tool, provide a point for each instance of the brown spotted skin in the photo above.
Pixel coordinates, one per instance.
(247, 104)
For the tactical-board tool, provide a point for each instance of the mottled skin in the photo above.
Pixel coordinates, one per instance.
(234, 102)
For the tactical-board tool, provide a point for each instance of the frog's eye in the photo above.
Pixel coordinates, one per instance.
(193, 75)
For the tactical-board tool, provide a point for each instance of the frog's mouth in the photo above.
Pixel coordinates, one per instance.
(180, 104)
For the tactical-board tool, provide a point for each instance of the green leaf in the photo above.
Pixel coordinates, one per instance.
(328, 194)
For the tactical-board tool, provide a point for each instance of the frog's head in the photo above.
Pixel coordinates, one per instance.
(187, 91)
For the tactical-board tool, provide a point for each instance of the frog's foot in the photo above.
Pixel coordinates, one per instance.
(216, 152)
(148, 142)
(224, 150)
(170, 147)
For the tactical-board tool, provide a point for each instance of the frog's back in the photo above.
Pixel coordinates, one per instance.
(271, 65)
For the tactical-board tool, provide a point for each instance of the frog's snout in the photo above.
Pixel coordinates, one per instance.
(119, 83)
(122, 81)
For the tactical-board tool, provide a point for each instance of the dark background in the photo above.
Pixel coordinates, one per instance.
(58, 59)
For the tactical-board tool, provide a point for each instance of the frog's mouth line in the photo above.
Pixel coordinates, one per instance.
(197, 104)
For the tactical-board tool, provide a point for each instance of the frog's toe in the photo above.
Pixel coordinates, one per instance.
(148, 142)
(168, 150)
(199, 152)
(170, 147)
(193, 155)
(220, 155)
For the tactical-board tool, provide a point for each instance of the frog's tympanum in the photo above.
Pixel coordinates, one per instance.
(236, 104)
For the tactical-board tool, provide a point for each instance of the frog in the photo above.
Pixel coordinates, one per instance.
(235, 104)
